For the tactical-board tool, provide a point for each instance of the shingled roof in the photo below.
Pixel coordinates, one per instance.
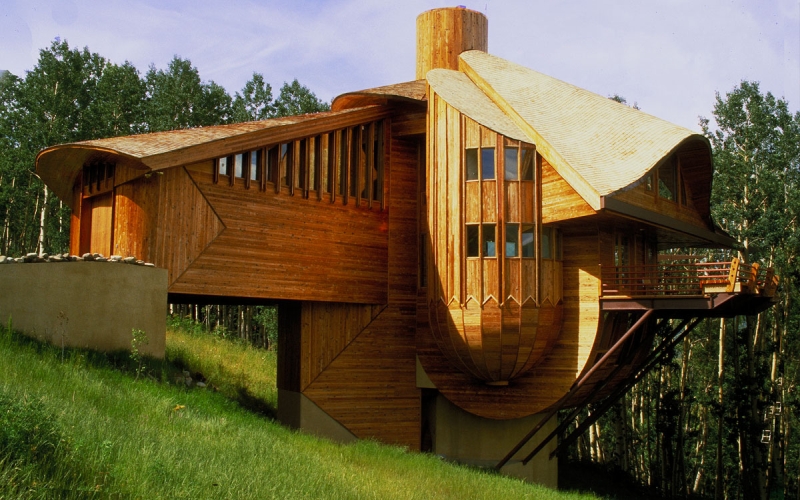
(58, 165)
(598, 145)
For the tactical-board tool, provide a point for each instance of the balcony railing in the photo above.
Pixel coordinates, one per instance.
(687, 279)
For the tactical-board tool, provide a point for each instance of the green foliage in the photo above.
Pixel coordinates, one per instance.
(176, 98)
(138, 339)
(255, 101)
(296, 99)
(74, 95)
(151, 439)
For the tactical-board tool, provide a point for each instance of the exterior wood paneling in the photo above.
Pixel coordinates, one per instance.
(370, 386)
(559, 200)
(640, 197)
(565, 349)
(266, 245)
(101, 224)
(185, 226)
(134, 209)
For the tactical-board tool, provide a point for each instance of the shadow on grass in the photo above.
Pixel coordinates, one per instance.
(162, 371)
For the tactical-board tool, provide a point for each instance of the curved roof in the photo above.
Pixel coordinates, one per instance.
(58, 165)
(598, 145)
(459, 91)
(410, 92)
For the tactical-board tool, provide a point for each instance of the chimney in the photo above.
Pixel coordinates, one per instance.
(443, 34)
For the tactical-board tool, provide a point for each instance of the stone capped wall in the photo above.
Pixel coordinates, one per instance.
(89, 301)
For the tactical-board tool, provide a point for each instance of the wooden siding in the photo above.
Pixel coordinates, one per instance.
(327, 330)
(569, 351)
(370, 386)
(639, 196)
(279, 246)
(185, 225)
(101, 228)
(134, 210)
(559, 200)
(484, 308)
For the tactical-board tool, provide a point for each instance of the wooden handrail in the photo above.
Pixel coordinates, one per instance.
(668, 279)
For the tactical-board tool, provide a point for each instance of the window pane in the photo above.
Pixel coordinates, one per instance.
(511, 155)
(489, 240)
(238, 162)
(512, 240)
(285, 162)
(528, 164)
(528, 239)
(255, 171)
(487, 163)
(223, 165)
(547, 238)
(666, 180)
(377, 165)
(355, 158)
(473, 240)
(342, 162)
(302, 166)
(472, 164)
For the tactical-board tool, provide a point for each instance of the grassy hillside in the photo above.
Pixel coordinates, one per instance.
(76, 424)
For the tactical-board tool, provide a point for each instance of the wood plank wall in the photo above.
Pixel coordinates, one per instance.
(370, 387)
(560, 202)
(639, 196)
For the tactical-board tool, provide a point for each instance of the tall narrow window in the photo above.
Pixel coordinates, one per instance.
(285, 163)
(255, 165)
(512, 240)
(667, 177)
(222, 165)
(528, 164)
(528, 241)
(471, 159)
(547, 243)
(487, 164)
(238, 166)
(301, 167)
(377, 163)
(489, 240)
(511, 156)
(342, 162)
(355, 160)
(473, 240)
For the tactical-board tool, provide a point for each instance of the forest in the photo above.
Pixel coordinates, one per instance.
(716, 418)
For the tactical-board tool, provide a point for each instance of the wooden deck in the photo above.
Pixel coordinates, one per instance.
(689, 288)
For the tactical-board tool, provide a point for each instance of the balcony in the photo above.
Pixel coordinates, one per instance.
(719, 288)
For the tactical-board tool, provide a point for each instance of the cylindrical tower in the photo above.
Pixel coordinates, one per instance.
(443, 34)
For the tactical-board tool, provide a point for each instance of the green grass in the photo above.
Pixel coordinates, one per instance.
(83, 427)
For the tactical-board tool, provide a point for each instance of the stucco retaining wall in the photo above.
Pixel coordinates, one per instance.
(92, 305)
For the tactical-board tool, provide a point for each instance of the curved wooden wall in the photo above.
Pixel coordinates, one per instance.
(487, 312)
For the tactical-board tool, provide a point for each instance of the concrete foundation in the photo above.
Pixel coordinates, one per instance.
(298, 412)
(465, 438)
(93, 305)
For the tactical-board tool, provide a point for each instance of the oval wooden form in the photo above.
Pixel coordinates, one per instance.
(495, 343)
(443, 34)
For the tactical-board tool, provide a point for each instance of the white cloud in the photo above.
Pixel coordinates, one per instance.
(669, 56)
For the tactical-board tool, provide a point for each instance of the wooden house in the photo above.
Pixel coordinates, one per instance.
(458, 255)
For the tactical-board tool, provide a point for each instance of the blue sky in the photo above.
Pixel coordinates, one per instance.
(668, 56)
